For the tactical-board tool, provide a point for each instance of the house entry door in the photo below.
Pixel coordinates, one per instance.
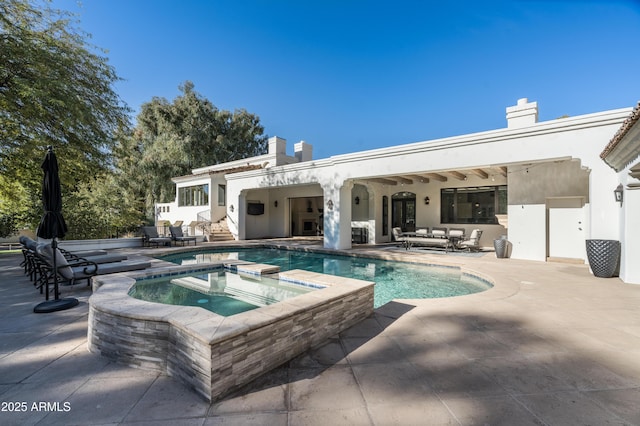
(403, 214)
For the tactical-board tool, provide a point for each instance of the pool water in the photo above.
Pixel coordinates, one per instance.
(394, 280)
(218, 291)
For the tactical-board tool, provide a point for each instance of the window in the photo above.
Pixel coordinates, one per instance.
(222, 195)
(473, 205)
(197, 195)
(385, 215)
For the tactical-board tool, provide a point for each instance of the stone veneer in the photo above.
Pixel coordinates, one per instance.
(211, 353)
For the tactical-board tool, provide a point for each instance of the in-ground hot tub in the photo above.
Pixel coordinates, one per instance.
(215, 354)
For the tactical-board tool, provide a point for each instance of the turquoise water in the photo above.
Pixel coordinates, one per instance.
(218, 291)
(394, 280)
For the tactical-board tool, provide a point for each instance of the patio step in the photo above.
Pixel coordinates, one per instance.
(220, 231)
(221, 236)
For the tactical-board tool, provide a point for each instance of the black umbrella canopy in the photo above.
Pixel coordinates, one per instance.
(52, 224)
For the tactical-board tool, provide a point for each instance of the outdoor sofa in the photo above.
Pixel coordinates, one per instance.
(422, 238)
(453, 238)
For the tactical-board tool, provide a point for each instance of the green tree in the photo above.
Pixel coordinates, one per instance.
(54, 90)
(102, 208)
(190, 132)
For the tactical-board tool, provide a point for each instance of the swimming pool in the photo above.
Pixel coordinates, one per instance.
(217, 290)
(394, 280)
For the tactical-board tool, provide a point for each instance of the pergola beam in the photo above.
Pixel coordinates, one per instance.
(436, 176)
(458, 175)
(383, 181)
(401, 179)
(480, 173)
(419, 178)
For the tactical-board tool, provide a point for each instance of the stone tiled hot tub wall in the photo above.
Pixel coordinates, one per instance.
(215, 354)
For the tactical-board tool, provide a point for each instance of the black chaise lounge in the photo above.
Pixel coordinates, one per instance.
(73, 270)
(151, 237)
(29, 247)
(178, 236)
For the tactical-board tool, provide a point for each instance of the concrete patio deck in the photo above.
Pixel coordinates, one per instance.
(549, 344)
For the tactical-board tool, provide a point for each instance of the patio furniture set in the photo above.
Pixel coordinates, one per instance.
(68, 268)
(453, 239)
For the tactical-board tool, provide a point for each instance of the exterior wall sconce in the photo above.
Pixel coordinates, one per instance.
(330, 205)
(618, 193)
(357, 200)
(275, 203)
(427, 200)
(231, 208)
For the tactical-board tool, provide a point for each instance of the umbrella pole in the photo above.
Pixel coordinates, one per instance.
(54, 247)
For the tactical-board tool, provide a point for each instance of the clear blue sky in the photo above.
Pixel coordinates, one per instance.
(352, 75)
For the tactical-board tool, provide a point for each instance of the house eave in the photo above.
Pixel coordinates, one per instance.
(542, 128)
(624, 147)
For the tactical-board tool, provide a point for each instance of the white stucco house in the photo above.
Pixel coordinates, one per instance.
(548, 186)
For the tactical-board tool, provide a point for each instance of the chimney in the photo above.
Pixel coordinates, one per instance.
(303, 151)
(523, 114)
(277, 146)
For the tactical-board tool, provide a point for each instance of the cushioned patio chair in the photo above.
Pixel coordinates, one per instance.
(150, 237)
(473, 243)
(399, 236)
(456, 233)
(178, 236)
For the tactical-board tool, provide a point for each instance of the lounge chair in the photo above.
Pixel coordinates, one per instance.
(73, 270)
(151, 237)
(29, 247)
(473, 243)
(178, 236)
(97, 256)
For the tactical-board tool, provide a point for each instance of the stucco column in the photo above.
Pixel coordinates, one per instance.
(240, 215)
(337, 216)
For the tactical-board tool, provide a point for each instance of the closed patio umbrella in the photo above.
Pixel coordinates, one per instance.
(52, 226)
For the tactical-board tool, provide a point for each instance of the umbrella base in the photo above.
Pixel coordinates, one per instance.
(55, 305)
